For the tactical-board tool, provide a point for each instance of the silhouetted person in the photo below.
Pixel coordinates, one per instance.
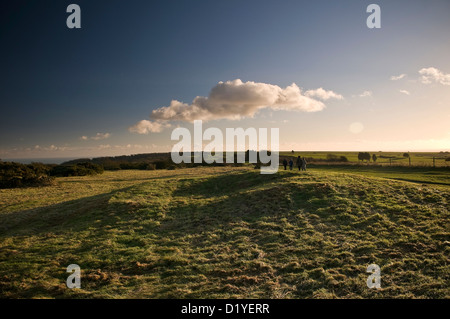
(291, 163)
(285, 164)
(299, 162)
(304, 164)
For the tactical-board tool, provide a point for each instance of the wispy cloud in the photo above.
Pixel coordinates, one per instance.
(397, 77)
(97, 137)
(235, 100)
(47, 148)
(404, 92)
(101, 136)
(366, 94)
(432, 74)
(77, 151)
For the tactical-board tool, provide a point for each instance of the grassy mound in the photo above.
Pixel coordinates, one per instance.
(225, 233)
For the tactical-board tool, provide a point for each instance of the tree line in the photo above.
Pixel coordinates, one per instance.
(365, 156)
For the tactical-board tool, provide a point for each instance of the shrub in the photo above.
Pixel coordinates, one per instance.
(79, 169)
(332, 157)
(161, 164)
(141, 166)
(335, 158)
(111, 166)
(19, 175)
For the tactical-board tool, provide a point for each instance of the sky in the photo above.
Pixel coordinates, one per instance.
(136, 70)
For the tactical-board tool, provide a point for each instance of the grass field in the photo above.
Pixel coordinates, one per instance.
(385, 158)
(436, 176)
(224, 232)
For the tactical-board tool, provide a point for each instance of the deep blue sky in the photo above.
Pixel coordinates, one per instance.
(131, 57)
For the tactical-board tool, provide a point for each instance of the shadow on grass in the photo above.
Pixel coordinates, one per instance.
(228, 184)
(74, 215)
(250, 199)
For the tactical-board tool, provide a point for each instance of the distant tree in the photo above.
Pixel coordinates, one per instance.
(406, 155)
(364, 156)
(374, 158)
(292, 151)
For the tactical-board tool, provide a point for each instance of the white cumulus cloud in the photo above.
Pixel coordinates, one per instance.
(431, 74)
(322, 94)
(235, 100)
(145, 127)
(404, 92)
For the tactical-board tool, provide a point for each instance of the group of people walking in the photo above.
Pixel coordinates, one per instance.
(301, 163)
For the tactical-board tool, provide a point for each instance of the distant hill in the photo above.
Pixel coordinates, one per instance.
(114, 162)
